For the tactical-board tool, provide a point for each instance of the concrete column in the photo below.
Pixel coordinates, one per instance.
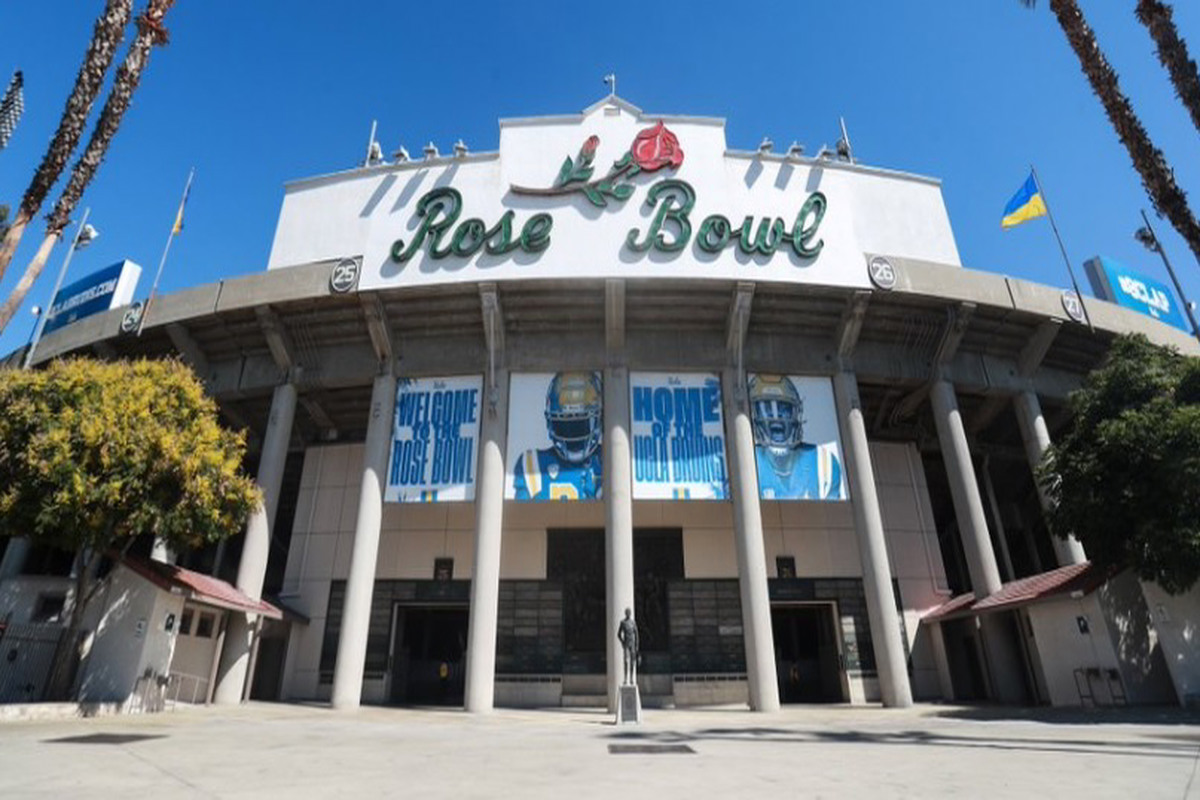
(356, 612)
(751, 556)
(964, 490)
(256, 547)
(997, 520)
(1036, 437)
(1001, 656)
(14, 557)
(872, 547)
(618, 520)
(938, 640)
(485, 578)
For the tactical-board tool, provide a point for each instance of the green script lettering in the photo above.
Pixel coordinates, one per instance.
(678, 199)
(438, 210)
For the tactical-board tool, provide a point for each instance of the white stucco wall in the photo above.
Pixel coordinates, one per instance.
(1064, 648)
(1177, 622)
(362, 212)
(19, 595)
(130, 638)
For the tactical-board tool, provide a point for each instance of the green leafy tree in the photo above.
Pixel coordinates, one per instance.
(1125, 476)
(94, 455)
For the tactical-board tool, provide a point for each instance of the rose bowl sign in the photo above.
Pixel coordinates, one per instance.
(669, 230)
(612, 194)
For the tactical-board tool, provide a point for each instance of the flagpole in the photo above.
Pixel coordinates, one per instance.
(1062, 249)
(162, 261)
(62, 273)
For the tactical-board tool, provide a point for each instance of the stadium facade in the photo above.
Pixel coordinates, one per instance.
(498, 398)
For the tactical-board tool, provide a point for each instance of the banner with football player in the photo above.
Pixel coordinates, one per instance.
(555, 428)
(678, 436)
(796, 443)
(435, 436)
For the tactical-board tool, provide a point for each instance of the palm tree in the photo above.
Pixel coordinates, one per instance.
(150, 33)
(1157, 176)
(106, 37)
(1173, 53)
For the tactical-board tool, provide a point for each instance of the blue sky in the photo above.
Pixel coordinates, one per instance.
(257, 93)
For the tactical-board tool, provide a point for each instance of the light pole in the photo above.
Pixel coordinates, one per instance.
(84, 234)
(1146, 236)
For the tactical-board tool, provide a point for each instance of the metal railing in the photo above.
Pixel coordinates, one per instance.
(185, 688)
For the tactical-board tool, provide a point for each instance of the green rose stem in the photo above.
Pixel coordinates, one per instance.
(594, 190)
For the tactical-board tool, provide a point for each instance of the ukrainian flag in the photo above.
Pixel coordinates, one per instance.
(1025, 205)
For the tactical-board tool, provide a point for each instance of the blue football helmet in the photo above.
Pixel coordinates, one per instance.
(776, 412)
(574, 415)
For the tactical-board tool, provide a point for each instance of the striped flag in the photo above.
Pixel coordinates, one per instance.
(11, 107)
(178, 226)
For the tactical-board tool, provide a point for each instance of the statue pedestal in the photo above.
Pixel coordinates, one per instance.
(629, 706)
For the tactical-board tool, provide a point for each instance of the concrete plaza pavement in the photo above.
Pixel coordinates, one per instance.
(272, 750)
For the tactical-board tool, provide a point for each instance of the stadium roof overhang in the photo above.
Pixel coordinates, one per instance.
(992, 335)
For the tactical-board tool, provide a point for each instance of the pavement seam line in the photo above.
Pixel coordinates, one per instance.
(1187, 790)
(168, 773)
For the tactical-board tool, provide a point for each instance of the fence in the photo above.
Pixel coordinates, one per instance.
(26, 658)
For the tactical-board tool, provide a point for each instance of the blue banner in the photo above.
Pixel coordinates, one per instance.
(678, 436)
(796, 445)
(1116, 283)
(555, 437)
(434, 440)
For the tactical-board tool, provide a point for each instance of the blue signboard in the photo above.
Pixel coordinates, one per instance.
(678, 436)
(434, 437)
(1116, 283)
(104, 289)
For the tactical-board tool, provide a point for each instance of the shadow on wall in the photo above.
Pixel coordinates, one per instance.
(105, 661)
(1139, 654)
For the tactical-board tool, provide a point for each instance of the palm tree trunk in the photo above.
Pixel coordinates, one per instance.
(17, 296)
(106, 37)
(129, 75)
(1157, 177)
(1173, 53)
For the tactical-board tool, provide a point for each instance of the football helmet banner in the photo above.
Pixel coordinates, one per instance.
(555, 435)
(574, 414)
(796, 444)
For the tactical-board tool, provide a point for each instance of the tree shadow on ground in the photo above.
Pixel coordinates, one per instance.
(1110, 715)
(1161, 747)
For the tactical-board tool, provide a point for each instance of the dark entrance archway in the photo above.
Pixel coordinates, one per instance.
(428, 655)
(806, 653)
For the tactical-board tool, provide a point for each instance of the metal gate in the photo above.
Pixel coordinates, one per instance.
(26, 657)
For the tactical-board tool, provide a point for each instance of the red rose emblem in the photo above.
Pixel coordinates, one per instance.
(655, 148)
(589, 147)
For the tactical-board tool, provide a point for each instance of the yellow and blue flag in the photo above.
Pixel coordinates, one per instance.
(1025, 205)
(177, 228)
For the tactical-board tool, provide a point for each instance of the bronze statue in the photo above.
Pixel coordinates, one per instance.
(627, 635)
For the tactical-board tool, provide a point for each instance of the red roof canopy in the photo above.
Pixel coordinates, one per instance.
(1073, 578)
(200, 588)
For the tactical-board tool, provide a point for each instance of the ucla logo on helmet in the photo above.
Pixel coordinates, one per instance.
(574, 415)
